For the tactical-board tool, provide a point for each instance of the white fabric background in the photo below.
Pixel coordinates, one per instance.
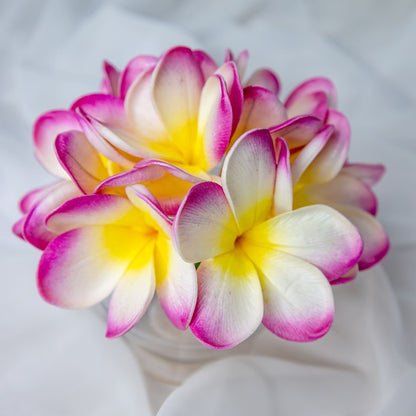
(56, 362)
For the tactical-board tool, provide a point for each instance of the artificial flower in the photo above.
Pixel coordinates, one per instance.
(109, 244)
(261, 261)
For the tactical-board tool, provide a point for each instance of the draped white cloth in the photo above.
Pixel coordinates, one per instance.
(56, 362)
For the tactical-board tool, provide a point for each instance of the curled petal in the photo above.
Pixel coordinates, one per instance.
(317, 234)
(265, 78)
(298, 303)
(142, 199)
(332, 157)
(89, 127)
(80, 159)
(81, 267)
(297, 131)
(214, 123)
(308, 154)
(110, 82)
(134, 69)
(230, 303)
(92, 210)
(283, 189)
(310, 87)
(375, 239)
(133, 293)
(251, 161)
(370, 174)
(104, 108)
(204, 213)
(175, 283)
(261, 109)
(235, 91)
(45, 130)
(34, 229)
(35, 196)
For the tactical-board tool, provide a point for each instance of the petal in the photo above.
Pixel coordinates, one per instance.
(332, 157)
(133, 293)
(315, 104)
(81, 160)
(178, 79)
(175, 283)
(311, 86)
(207, 64)
(283, 189)
(297, 131)
(347, 277)
(104, 108)
(81, 267)
(93, 210)
(261, 109)
(375, 239)
(248, 177)
(370, 174)
(235, 91)
(344, 189)
(134, 69)
(35, 230)
(204, 225)
(230, 303)
(168, 183)
(308, 154)
(298, 301)
(109, 151)
(141, 112)
(317, 234)
(110, 82)
(214, 124)
(152, 212)
(18, 226)
(265, 78)
(45, 130)
(33, 197)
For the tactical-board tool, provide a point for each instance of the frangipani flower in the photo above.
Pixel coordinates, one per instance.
(261, 261)
(106, 244)
(176, 115)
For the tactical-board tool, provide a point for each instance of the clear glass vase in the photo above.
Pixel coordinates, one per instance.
(166, 355)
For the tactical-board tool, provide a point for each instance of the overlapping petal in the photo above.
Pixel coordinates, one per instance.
(303, 95)
(317, 234)
(205, 212)
(230, 302)
(133, 293)
(252, 162)
(261, 109)
(375, 239)
(297, 131)
(265, 78)
(34, 228)
(45, 131)
(298, 301)
(175, 283)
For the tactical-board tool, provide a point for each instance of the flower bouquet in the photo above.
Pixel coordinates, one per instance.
(186, 178)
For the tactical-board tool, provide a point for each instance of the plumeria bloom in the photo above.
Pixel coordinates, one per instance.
(110, 244)
(261, 261)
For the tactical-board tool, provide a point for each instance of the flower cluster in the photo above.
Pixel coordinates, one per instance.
(139, 205)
